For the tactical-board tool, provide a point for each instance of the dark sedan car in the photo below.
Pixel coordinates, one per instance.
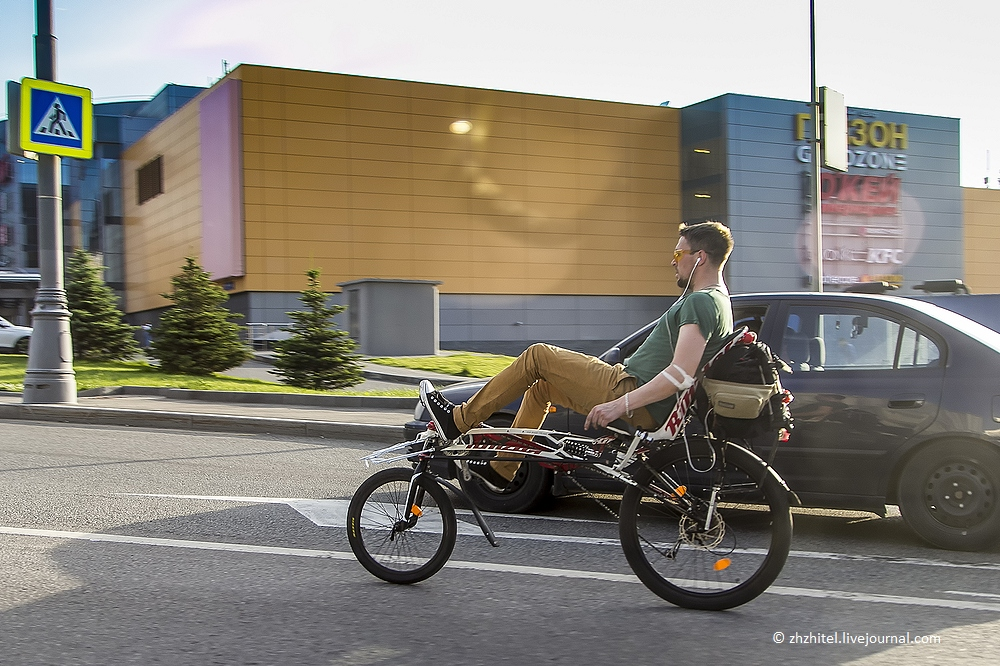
(897, 401)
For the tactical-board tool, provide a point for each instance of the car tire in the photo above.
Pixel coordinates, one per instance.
(21, 346)
(948, 495)
(531, 486)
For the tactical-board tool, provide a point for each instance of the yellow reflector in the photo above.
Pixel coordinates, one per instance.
(723, 564)
(416, 511)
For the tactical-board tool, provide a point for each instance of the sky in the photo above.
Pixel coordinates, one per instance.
(914, 56)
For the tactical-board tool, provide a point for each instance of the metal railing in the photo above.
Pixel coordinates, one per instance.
(261, 337)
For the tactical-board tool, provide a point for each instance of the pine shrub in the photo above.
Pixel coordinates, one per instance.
(98, 326)
(318, 355)
(197, 336)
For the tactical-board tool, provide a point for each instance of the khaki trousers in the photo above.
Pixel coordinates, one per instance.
(546, 375)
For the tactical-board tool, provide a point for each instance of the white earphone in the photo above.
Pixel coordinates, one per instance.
(691, 276)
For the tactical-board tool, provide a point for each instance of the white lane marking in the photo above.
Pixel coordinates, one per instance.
(972, 594)
(220, 498)
(549, 572)
(333, 513)
(289, 500)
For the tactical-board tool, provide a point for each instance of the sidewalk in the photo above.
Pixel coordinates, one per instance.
(384, 373)
(373, 419)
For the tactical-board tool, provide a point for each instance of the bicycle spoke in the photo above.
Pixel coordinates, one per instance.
(719, 544)
(393, 541)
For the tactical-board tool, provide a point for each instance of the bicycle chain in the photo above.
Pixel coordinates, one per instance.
(593, 496)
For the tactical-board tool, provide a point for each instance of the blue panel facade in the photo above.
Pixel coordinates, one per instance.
(895, 216)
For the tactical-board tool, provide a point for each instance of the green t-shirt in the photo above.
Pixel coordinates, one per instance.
(710, 309)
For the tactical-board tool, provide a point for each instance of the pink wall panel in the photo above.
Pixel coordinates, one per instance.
(221, 182)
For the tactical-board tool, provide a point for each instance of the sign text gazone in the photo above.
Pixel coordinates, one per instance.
(861, 136)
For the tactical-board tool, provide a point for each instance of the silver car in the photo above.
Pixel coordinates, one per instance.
(14, 338)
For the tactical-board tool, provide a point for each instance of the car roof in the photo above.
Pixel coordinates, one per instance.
(961, 323)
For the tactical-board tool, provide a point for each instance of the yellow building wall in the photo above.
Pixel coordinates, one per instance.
(164, 230)
(982, 239)
(362, 178)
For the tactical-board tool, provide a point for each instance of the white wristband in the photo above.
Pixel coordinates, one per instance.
(681, 385)
(628, 412)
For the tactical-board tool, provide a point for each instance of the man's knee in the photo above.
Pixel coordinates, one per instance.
(539, 355)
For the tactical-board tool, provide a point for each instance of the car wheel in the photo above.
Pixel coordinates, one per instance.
(531, 486)
(21, 346)
(948, 495)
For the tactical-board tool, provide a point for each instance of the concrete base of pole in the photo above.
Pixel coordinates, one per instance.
(49, 377)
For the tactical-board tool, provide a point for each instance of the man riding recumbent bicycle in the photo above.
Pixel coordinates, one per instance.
(704, 522)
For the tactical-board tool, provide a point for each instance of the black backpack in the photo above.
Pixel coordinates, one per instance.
(740, 395)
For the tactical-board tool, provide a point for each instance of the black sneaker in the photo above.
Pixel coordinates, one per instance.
(484, 470)
(440, 409)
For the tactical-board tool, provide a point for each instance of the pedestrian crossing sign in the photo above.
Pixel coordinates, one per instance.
(56, 119)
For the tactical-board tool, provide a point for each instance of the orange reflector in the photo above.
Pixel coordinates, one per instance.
(681, 490)
(723, 564)
(552, 409)
(415, 510)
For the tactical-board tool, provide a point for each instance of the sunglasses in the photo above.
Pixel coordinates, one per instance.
(680, 253)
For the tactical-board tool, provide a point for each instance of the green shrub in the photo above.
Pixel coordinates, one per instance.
(318, 355)
(97, 325)
(197, 336)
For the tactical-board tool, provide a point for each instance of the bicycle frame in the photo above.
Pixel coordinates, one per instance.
(555, 449)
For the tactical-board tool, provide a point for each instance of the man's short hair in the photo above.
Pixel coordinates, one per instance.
(713, 237)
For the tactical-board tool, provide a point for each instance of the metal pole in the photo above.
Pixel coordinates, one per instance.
(817, 186)
(49, 377)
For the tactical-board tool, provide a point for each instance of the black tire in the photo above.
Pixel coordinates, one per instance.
(21, 346)
(530, 487)
(376, 512)
(948, 495)
(721, 568)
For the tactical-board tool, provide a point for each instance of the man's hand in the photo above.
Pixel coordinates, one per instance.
(605, 413)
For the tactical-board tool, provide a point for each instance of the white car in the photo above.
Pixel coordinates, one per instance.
(14, 338)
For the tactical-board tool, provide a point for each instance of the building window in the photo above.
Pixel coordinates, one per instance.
(150, 177)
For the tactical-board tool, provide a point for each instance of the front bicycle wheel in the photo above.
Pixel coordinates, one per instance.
(396, 542)
(717, 542)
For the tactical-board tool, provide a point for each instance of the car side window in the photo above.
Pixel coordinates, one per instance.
(917, 350)
(751, 316)
(821, 339)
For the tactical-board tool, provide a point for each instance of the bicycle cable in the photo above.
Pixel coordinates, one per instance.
(687, 451)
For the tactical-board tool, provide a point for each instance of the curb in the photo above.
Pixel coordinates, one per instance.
(437, 380)
(258, 398)
(385, 434)
(388, 375)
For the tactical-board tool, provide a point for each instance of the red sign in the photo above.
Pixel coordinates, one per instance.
(853, 194)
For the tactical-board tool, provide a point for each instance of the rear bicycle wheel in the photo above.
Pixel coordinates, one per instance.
(391, 541)
(749, 526)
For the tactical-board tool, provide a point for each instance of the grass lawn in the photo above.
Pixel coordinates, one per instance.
(91, 375)
(462, 364)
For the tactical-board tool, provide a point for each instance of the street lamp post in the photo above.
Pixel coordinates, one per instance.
(817, 186)
(49, 377)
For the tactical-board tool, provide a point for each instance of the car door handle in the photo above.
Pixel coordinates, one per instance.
(907, 401)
